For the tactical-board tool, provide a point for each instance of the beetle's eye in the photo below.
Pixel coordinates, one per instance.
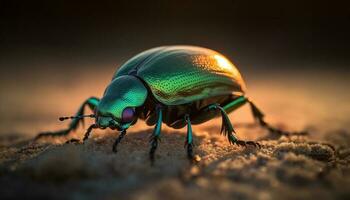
(128, 115)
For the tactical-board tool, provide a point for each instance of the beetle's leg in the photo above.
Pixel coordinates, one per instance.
(189, 139)
(259, 117)
(236, 103)
(257, 114)
(88, 131)
(117, 141)
(92, 102)
(155, 137)
(227, 128)
(86, 136)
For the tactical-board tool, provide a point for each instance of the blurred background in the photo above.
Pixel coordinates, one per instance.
(294, 55)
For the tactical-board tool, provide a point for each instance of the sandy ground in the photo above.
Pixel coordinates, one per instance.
(295, 167)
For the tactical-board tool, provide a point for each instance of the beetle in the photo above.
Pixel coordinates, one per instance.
(175, 85)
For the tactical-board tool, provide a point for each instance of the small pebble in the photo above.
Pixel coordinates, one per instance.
(197, 158)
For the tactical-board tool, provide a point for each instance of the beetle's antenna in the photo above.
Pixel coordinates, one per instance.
(76, 117)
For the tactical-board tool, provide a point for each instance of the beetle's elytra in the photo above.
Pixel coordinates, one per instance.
(175, 85)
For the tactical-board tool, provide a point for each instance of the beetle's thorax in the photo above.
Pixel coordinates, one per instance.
(123, 92)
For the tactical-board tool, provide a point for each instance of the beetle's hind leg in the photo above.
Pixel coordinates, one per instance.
(91, 102)
(259, 117)
(227, 128)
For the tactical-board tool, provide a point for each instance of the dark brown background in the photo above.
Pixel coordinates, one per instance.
(271, 32)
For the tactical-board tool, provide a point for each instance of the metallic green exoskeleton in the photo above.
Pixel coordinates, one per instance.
(175, 85)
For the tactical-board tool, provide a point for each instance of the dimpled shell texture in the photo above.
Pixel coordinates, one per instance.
(183, 74)
(122, 92)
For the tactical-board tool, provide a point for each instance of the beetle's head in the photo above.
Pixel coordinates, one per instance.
(116, 110)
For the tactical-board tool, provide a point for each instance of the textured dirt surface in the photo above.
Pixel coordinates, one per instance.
(294, 167)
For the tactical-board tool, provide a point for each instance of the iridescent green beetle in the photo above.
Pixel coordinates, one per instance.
(175, 85)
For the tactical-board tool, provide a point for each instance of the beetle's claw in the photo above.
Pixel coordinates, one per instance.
(74, 141)
(241, 143)
(255, 144)
(114, 149)
(154, 139)
(245, 143)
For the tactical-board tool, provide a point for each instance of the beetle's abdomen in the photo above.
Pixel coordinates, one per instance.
(182, 74)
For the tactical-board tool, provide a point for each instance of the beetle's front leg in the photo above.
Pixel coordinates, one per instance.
(117, 141)
(227, 128)
(91, 102)
(86, 135)
(155, 137)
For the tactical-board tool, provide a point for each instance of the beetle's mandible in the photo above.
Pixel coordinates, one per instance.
(175, 85)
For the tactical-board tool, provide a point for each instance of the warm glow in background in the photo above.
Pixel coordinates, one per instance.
(297, 99)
